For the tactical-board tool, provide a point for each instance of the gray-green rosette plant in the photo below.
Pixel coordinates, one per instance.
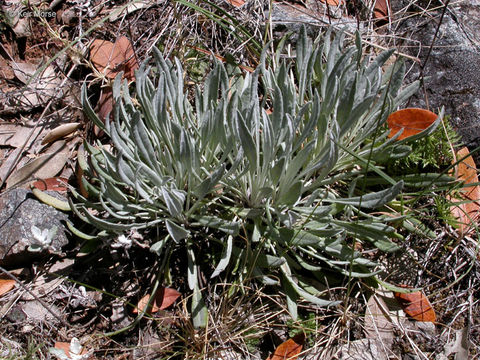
(270, 166)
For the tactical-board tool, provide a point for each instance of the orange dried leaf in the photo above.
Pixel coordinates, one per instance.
(164, 297)
(6, 285)
(381, 10)
(52, 184)
(468, 212)
(332, 2)
(111, 58)
(236, 3)
(65, 346)
(289, 349)
(411, 120)
(416, 305)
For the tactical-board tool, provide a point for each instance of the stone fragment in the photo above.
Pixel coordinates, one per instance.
(23, 219)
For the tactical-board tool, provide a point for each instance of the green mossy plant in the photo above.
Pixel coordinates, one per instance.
(270, 167)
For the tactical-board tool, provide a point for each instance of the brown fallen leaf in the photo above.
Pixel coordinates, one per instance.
(378, 324)
(105, 104)
(10, 162)
(164, 297)
(333, 2)
(41, 88)
(25, 136)
(43, 167)
(7, 131)
(289, 349)
(51, 184)
(467, 211)
(111, 58)
(411, 120)
(381, 10)
(23, 71)
(416, 305)
(6, 285)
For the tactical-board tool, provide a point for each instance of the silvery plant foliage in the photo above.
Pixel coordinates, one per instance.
(270, 167)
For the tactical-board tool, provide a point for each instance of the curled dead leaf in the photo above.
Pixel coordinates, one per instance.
(416, 305)
(467, 208)
(59, 132)
(411, 120)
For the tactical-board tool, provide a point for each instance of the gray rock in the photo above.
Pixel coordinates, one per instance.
(20, 212)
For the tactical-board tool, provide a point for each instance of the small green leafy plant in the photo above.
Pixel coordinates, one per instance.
(270, 167)
(430, 152)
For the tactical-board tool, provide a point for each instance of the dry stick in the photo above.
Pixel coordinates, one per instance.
(422, 66)
(40, 120)
(43, 303)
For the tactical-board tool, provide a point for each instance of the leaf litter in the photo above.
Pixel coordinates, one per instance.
(44, 166)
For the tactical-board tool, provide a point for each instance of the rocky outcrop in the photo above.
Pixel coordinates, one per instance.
(451, 67)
